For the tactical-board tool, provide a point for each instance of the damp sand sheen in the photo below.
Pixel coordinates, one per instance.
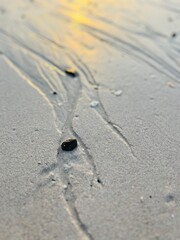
(89, 120)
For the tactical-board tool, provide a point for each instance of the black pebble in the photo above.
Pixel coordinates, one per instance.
(173, 35)
(69, 145)
(71, 72)
(55, 93)
(99, 180)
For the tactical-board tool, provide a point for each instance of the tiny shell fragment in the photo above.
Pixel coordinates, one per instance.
(94, 104)
(118, 93)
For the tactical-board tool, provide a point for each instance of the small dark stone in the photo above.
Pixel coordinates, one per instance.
(69, 145)
(150, 196)
(169, 198)
(71, 72)
(54, 93)
(173, 35)
(99, 180)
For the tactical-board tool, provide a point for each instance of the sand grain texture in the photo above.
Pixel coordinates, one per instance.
(106, 74)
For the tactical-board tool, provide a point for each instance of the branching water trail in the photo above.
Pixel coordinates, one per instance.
(100, 109)
(108, 24)
(91, 84)
(63, 158)
(93, 87)
(167, 66)
(68, 90)
(72, 86)
(33, 52)
(165, 6)
(73, 94)
(136, 51)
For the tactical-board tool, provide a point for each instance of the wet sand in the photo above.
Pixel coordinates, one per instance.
(106, 74)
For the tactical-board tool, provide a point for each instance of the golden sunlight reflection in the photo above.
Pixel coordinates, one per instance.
(88, 13)
(78, 16)
(78, 13)
(69, 18)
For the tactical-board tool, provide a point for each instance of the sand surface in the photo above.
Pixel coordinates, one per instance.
(120, 99)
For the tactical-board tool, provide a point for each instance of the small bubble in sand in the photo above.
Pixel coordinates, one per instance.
(94, 104)
(71, 72)
(141, 199)
(117, 93)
